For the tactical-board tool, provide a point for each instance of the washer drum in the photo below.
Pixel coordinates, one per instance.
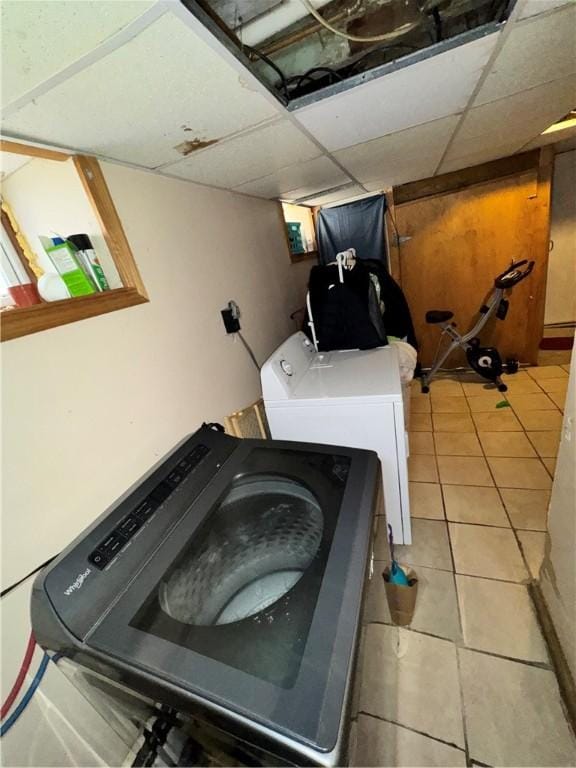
(260, 541)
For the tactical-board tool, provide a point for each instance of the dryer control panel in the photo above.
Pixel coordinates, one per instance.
(283, 371)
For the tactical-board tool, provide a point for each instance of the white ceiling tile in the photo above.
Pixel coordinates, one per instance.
(534, 7)
(298, 180)
(247, 157)
(419, 93)
(566, 145)
(537, 51)
(343, 194)
(40, 38)
(404, 156)
(516, 119)
(477, 158)
(163, 88)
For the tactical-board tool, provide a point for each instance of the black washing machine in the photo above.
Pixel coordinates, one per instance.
(227, 584)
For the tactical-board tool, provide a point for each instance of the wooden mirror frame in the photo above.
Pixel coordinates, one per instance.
(39, 317)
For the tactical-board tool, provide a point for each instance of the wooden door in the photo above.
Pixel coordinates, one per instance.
(460, 241)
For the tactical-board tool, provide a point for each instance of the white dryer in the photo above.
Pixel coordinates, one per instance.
(351, 398)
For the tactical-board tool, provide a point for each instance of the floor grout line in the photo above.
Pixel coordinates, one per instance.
(485, 525)
(409, 728)
(462, 699)
(498, 490)
(461, 626)
(484, 454)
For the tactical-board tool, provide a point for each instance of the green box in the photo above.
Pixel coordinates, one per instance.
(294, 229)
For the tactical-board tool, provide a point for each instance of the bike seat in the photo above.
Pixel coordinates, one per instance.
(439, 315)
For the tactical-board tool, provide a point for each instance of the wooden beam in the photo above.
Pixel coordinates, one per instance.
(98, 193)
(467, 177)
(25, 320)
(26, 149)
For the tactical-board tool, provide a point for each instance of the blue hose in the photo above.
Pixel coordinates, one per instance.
(9, 722)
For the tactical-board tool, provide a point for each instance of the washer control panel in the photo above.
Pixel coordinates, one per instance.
(119, 537)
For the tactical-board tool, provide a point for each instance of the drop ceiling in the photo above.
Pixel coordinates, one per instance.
(145, 83)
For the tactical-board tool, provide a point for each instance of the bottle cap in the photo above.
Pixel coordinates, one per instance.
(82, 242)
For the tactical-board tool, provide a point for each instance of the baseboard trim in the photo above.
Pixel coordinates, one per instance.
(563, 673)
(557, 342)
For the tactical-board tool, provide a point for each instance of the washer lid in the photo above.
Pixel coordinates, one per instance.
(251, 604)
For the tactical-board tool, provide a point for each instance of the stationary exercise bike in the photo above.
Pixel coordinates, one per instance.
(486, 361)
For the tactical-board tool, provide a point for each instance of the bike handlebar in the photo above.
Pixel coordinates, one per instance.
(513, 275)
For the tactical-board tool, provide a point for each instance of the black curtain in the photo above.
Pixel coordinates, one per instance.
(358, 225)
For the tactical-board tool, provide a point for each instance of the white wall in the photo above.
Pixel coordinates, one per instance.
(89, 407)
(561, 283)
(558, 573)
(47, 198)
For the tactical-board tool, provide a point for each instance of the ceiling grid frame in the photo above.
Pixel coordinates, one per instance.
(504, 33)
(514, 19)
(304, 186)
(204, 33)
(103, 49)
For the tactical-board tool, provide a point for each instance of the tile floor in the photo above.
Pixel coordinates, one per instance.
(470, 681)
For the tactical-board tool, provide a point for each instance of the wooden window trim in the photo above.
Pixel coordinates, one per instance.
(25, 320)
(295, 258)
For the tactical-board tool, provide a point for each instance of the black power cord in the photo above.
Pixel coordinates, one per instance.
(23, 579)
(437, 24)
(272, 65)
(155, 738)
(248, 349)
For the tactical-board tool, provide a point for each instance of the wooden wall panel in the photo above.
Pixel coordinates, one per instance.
(460, 241)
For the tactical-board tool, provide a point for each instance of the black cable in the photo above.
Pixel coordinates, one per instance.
(155, 738)
(299, 79)
(271, 64)
(392, 219)
(248, 349)
(437, 24)
(300, 309)
(17, 583)
(330, 71)
(213, 425)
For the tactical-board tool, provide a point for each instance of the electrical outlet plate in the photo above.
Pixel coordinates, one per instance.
(231, 317)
